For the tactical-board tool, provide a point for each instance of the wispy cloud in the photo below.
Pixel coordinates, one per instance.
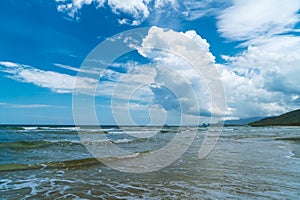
(68, 67)
(248, 20)
(83, 84)
(8, 64)
(57, 82)
(28, 105)
(193, 9)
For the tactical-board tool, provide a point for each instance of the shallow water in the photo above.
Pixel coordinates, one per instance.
(53, 163)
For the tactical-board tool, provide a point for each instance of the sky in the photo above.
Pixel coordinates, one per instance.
(54, 68)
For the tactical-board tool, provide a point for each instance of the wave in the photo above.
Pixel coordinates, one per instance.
(21, 129)
(39, 144)
(117, 141)
(23, 145)
(292, 139)
(88, 130)
(51, 165)
(69, 164)
(60, 130)
(12, 128)
(136, 140)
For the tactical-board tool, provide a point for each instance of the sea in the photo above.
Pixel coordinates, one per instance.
(55, 162)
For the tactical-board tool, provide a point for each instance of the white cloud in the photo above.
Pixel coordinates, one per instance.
(261, 81)
(57, 82)
(264, 79)
(177, 43)
(158, 4)
(73, 6)
(167, 80)
(247, 20)
(138, 9)
(185, 66)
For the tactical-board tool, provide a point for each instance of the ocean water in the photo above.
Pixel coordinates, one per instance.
(53, 163)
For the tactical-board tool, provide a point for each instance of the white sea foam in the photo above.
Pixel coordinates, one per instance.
(30, 128)
(4, 184)
(290, 152)
(120, 141)
(133, 155)
(60, 128)
(87, 142)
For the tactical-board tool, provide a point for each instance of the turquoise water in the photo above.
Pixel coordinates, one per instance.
(53, 163)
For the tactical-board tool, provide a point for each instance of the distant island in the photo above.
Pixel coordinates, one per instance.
(287, 119)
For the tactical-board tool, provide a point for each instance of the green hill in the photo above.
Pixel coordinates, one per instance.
(287, 119)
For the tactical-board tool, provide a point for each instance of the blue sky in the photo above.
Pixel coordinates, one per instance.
(254, 46)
